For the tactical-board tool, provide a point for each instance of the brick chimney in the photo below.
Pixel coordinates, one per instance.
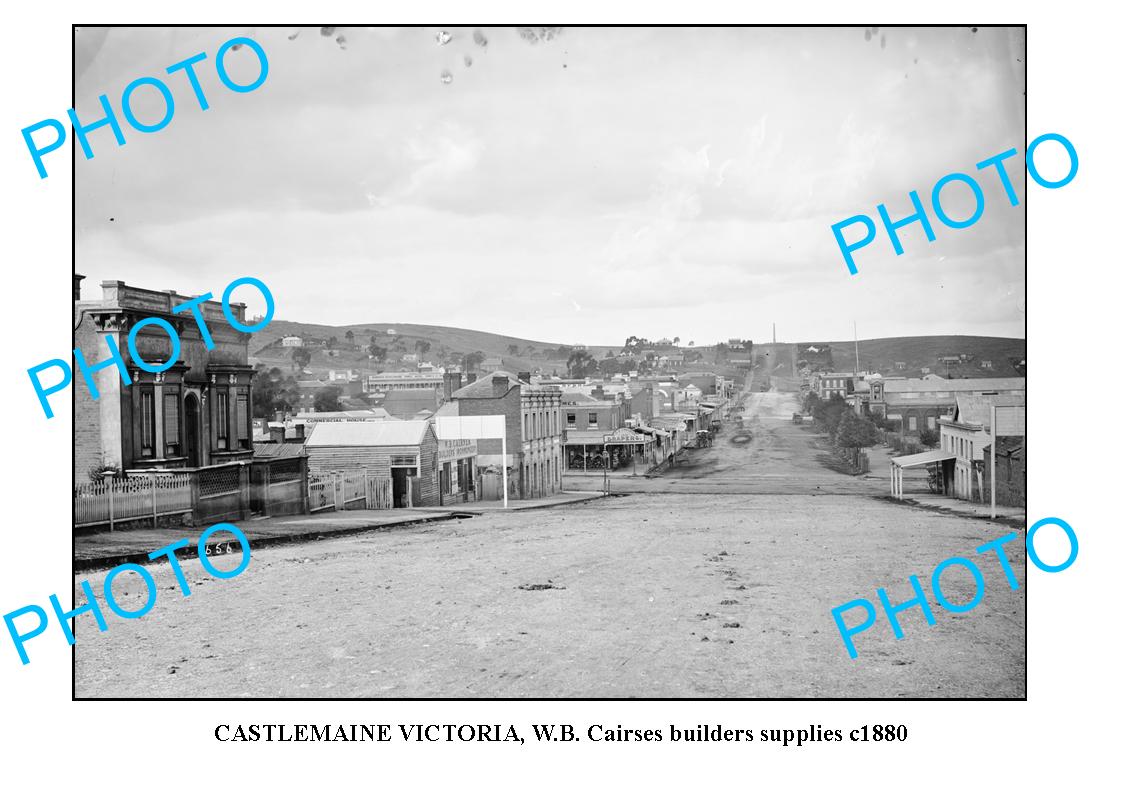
(453, 382)
(598, 392)
(277, 434)
(499, 386)
(298, 428)
(470, 377)
(524, 376)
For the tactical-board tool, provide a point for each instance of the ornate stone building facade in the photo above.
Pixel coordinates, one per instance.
(195, 413)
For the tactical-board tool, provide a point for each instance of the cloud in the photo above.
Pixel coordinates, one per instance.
(630, 175)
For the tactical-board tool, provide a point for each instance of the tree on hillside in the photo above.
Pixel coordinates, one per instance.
(608, 367)
(721, 352)
(422, 347)
(377, 352)
(513, 350)
(326, 399)
(580, 364)
(690, 344)
(635, 343)
(350, 337)
(273, 390)
(333, 342)
(300, 358)
(675, 341)
(473, 360)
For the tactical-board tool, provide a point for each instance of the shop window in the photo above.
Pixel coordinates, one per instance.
(570, 420)
(592, 419)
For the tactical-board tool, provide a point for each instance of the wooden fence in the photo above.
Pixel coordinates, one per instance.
(353, 489)
(278, 486)
(116, 500)
(229, 492)
(202, 495)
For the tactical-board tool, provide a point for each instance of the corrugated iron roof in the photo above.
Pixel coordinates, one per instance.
(277, 450)
(927, 457)
(953, 385)
(976, 408)
(384, 434)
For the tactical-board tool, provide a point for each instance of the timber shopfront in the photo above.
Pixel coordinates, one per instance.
(457, 461)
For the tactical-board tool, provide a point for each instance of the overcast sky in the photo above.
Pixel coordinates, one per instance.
(577, 187)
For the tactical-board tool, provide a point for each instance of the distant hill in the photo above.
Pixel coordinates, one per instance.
(447, 343)
(444, 343)
(882, 355)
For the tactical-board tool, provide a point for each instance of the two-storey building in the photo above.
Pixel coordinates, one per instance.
(197, 412)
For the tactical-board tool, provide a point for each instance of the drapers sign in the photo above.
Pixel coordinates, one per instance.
(449, 450)
(623, 436)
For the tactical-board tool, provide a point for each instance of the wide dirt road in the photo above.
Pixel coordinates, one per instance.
(638, 596)
(781, 459)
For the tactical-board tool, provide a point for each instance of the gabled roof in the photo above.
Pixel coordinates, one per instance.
(481, 387)
(387, 433)
(975, 409)
(347, 414)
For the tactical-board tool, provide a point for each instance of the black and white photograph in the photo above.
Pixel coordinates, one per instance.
(489, 362)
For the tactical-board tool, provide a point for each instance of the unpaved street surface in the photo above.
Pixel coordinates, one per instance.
(781, 458)
(639, 596)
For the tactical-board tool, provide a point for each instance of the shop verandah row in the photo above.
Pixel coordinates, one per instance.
(638, 449)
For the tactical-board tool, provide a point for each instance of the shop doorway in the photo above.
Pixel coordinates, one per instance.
(400, 477)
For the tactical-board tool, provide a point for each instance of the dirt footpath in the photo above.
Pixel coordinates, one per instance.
(640, 596)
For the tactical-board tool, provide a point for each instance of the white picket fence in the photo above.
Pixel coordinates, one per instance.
(348, 490)
(137, 497)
